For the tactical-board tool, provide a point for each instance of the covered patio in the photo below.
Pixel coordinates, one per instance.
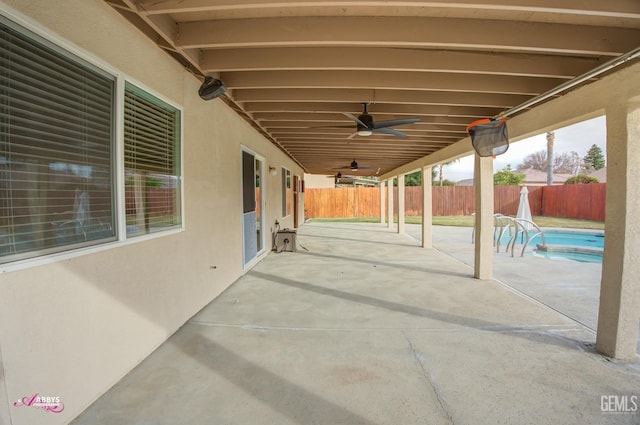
(301, 73)
(364, 327)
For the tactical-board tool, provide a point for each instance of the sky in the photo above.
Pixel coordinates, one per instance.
(577, 137)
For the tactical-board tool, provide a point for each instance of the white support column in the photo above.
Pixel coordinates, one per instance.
(427, 208)
(390, 203)
(620, 287)
(483, 173)
(382, 204)
(401, 228)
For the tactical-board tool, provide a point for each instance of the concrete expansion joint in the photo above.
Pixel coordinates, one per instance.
(437, 391)
(264, 328)
(545, 306)
(523, 295)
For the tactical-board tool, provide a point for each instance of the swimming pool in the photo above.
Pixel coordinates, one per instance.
(569, 245)
(572, 238)
(564, 254)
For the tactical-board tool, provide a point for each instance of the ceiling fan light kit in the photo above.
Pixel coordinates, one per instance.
(355, 167)
(366, 126)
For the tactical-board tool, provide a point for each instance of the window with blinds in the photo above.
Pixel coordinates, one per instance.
(152, 163)
(56, 148)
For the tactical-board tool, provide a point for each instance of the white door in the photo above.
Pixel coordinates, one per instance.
(252, 207)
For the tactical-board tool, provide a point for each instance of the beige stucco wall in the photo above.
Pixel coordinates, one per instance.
(72, 328)
(318, 181)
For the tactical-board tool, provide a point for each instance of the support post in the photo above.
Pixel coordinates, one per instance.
(390, 203)
(619, 315)
(401, 228)
(382, 205)
(427, 208)
(483, 264)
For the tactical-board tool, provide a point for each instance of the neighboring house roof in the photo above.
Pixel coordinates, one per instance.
(465, 182)
(600, 174)
(533, 177)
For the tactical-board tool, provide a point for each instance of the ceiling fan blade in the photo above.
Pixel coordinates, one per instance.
(366, 167)
(391, 123)
(390, 131)
(352, 135)
(354, 119)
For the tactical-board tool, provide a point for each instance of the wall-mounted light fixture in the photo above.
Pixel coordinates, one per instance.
(272, 170)
(211, 88)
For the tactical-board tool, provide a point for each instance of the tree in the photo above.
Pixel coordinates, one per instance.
(440, 175)
(413, 179)
(566, 162)
(594, 159)
(550, 138)
(581, 179)
(536, 160)
(507, 177)
(444, 182)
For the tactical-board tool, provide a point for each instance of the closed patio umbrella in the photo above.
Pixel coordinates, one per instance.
(524, 210)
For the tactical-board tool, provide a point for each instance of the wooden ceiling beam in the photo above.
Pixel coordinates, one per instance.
(394, 59)
(400, 96)
(340, 119)
(429, 81)
(375, 136)
(345, 132)
(534, 9)
(385, 31)
(378, 108)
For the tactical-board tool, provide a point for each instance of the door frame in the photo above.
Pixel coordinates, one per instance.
(247, 263)
(296, 200)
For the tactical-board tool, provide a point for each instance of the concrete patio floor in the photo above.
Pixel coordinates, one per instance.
(368, 328)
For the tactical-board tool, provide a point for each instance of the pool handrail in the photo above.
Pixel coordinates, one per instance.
(496, 224)
(521, 228)
(505, 223)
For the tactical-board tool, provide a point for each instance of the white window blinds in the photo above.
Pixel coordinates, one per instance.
(152, 163)
(56, 148)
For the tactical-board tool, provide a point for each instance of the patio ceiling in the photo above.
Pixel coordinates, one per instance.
(293, 68)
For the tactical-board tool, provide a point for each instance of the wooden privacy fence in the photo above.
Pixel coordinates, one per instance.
(581, 201)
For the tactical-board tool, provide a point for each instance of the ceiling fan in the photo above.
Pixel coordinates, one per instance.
(366, 126)
(355, 167)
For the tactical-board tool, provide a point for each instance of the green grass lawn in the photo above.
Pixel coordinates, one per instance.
(467, 221)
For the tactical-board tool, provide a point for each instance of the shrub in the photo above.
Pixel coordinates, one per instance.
(581, 179)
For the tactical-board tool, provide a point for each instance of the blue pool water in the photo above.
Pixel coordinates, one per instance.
(584, 247)
(590, 240)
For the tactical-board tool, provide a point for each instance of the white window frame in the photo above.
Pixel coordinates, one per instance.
(121, 166)
(118, 161)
